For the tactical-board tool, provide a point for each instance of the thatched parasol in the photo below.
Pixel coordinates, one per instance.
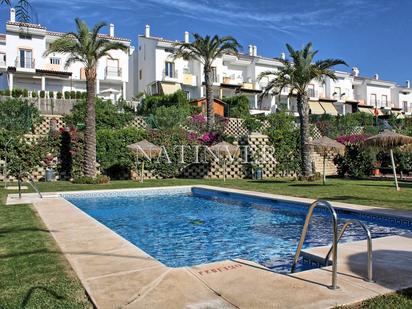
(144, 149)
(323, 145)
(389, 140)
(225, 149)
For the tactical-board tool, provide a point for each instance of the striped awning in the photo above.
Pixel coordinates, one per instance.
(365, 110)
(329, 108)
(316, 108)
(168, 88)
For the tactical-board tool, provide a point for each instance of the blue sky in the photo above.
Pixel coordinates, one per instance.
(374, 35)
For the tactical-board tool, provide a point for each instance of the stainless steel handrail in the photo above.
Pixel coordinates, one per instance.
(30, 182)
(368, 234)
(335, 238)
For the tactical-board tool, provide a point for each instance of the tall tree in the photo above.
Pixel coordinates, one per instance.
(206, 50)
(87, 47)
(23, 9)
(296, 74)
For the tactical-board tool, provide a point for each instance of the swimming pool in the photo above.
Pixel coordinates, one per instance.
(190, 226)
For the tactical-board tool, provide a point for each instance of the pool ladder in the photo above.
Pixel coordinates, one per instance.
(30, 182)
(336, 237)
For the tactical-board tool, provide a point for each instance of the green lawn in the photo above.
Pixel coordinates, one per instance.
(365, 192)
(34, 274)
(401, 300)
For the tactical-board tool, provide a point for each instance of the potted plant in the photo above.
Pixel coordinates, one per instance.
(48, 160)
(376, 171)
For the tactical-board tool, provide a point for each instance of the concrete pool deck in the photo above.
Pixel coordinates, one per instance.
(117, 274)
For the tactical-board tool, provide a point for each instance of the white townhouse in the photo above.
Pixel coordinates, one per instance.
(159, 72)
(23, 64)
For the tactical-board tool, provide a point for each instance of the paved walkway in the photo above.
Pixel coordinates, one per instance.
(117, 274)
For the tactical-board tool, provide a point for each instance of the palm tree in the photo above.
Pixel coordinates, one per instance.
(87, 47)
(297, 74)
(206, 50)
(23, 9)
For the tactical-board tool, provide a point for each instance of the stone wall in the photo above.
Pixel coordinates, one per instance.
(212, 170)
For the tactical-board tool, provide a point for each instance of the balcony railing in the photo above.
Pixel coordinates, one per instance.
(379, 103)
(170, 74)
(113, 71)
(25, 63)
(312, 93)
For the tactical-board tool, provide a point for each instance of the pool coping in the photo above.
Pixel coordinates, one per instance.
(43, 207)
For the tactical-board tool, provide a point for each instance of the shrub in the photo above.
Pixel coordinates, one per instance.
(78, 95)
(7, 92)
(42, 94)
(284, 137)
(16, 93)
(108, 115)
(84, 95)
(51, 94)
(168, 139)
(99, 180)
(150, 103)
(18, 116)
(237, 106)
(22, 156)
(25, 93)
(67, 95)
(112, 153)
(170, 117)
(73, 94)
(253, 124)
(357, 162)
(59, 95)
(34, 94)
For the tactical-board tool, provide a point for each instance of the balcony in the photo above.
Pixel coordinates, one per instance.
(25, 63)
(113, 72)
(312, 93)
(231, 80)
(170, 75)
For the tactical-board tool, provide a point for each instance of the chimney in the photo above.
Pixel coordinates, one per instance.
(376, 76)
(283, 56)
(186, 37)
(408, 84)
(111, 30)
(147, 31)
(355, 71)
(250, 50)
(12, 15)
(254, 50)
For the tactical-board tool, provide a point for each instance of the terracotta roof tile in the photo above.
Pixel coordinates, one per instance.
(29, 25)
(106, 36)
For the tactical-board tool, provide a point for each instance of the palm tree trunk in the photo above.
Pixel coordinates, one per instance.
(209, 97)
(303, 109)
(90, 133)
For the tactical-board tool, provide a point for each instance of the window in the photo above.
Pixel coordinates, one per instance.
(337, 92)
(25, 36)
(140, 74)
(405, 106)
(187, 93)
(311, 90)
(169, 69)
(384, 100)
(55, 61)
(372, 100)
(26, 59)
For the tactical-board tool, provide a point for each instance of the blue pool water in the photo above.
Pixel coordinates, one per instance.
(184, 227)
